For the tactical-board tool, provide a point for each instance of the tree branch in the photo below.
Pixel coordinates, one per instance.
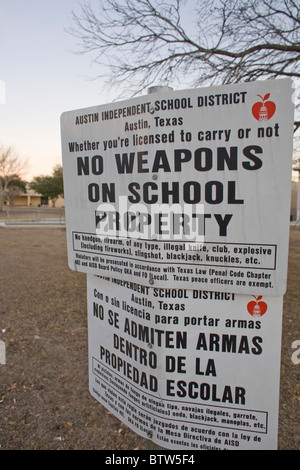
(229, 40)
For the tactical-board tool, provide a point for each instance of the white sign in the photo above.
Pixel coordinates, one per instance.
(188, 369)
(189, 189)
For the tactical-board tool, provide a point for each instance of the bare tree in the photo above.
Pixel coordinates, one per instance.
(11, 168)
(141, 42)
(15, 187)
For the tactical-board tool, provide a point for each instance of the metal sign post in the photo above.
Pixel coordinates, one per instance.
(150, 445)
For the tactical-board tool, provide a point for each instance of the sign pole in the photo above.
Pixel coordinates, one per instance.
(150, 445)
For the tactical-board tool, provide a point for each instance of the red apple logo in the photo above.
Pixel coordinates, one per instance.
(256, 308)
(264, 110)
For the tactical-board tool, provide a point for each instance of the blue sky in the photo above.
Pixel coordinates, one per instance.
(42, 78)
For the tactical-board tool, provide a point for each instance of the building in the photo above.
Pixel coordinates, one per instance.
(32, 199)
(295, 197)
